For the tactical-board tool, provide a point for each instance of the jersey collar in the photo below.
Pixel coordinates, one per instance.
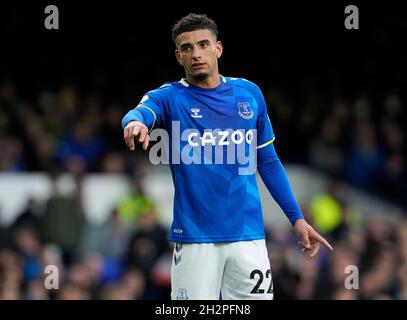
(187, 84)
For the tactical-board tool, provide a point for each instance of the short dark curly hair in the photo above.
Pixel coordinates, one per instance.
(192, 22)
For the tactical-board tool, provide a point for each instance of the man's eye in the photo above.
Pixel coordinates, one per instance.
(204, 45)
(186, 49)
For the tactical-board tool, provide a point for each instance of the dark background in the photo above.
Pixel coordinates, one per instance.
(124, 48)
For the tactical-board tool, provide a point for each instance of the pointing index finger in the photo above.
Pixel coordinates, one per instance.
(324, 242)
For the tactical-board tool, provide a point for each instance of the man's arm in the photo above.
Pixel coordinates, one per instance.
(135, 125)
(136, 122)
(274, 177)
(136, 129)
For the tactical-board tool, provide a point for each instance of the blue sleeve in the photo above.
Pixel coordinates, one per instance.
(149, 111)
(274, 177)
(265, 132)
(134, 115)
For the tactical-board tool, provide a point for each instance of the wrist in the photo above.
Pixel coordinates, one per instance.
(298, 221)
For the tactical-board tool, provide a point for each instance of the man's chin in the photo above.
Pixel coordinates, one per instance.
(201, 76)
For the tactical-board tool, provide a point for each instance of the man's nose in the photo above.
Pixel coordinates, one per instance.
(196, 53)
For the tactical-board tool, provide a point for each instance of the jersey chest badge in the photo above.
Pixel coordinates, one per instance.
(244, 110)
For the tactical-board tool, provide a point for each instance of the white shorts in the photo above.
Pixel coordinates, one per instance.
(230, 271)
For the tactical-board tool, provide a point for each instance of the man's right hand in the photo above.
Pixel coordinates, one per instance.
(136, 129)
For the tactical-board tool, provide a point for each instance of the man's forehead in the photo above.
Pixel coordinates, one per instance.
(195, 36)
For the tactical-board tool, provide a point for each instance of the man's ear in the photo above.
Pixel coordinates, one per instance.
(219, 49)
(178, 56)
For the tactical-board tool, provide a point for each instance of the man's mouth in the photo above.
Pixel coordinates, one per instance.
(198, 65)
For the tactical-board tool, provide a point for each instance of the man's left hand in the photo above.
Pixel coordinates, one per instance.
(310, 240)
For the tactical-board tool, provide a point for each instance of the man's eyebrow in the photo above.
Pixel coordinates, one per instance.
(186, 44)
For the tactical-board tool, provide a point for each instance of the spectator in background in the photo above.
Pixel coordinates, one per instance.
(81, 276)
(27, 243)
(147, 247)
(365, 159)
(308, 277)
(307, 120)
(332, 276)
(113, 163)
(29, 217)
(134, 204)
(130, 287)
(148, 241)
(325, 151)
(283, 115)
(72, 292)
(392, 135)
(112, 130)
(326, 209)
(11, 276)
(378, 234)
(43, 144)
(11, 154)
(108, 241)
(63, 220)
(36, 291)
(393, 180)
(82, 146)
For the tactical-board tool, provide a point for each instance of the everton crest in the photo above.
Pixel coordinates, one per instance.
(245, 111)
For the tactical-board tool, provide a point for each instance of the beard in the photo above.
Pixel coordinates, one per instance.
(199, 77)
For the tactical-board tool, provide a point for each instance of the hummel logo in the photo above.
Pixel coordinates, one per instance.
(195, 113)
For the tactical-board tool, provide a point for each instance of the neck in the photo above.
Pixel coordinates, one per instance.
(209, 82)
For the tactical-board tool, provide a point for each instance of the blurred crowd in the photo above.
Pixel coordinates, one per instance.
(60, 132)
(129, 256)
(359, 141)
(368, 262)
